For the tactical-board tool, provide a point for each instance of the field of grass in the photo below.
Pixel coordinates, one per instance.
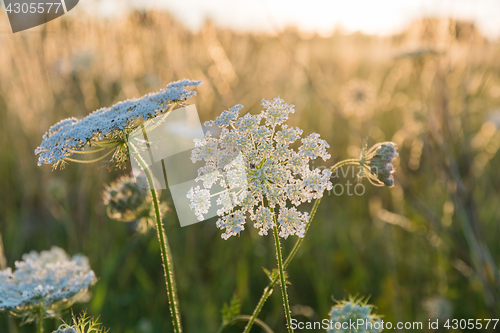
(427, 248)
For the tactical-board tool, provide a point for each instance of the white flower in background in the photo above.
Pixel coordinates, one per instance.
(70, 135)
(258, 171)
(350, 312)
(49, 280)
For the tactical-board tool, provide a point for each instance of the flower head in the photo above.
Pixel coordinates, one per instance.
(126, 201)
(49, 280)
(350, 312)
(82, 324)
(256, 171)
(108, 127)
(376, 163)
(357, 98)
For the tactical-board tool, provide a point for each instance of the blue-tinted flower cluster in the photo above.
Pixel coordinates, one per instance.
(260, 174)
(49, 279)
(72, 134)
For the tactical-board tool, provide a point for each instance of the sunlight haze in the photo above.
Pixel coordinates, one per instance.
(372, 17)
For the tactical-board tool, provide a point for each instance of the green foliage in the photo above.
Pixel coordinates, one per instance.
(275, 274)
(231, 310)
(82, 324)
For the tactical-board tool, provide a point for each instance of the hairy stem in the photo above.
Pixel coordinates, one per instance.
(166, 255)
(269, 289)
(351, 161)
(168, 266)
(39, 319)
(286, 305)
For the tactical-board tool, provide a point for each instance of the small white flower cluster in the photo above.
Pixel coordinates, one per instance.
(350, 312)
(49, 279)
(73, 134)
(257, 160)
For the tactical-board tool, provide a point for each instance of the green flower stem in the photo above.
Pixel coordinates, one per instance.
(39, 319)
(168, 266)
(166, 255)
(286, 305)
(267, 292)
(269, 289)
(352, 161)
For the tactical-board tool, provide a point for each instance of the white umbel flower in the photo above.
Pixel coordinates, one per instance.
(49, 279)
(261, 174)
(72, 134)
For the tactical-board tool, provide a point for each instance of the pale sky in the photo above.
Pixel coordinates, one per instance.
(369, 16)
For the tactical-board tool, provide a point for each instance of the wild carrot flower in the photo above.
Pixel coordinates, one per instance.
(128, 202)
(108, 127)
(48, 281)
(376, 163)
(350, 312)
(357, 98)
(256, 171)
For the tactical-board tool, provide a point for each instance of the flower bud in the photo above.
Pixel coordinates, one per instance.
(377, 164)
(128, 202)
